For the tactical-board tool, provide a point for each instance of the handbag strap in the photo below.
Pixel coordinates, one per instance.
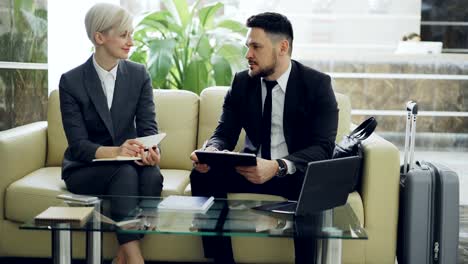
(365, 129)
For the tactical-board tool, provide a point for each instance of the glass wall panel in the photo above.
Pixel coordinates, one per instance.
(23, 53)
(23, 97)
(444, 10)
(446, 21)
(23, 31)
(453, 37)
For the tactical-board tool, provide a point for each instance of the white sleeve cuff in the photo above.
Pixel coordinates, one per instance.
(291, 166)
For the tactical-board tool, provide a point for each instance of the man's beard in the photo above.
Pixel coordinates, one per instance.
(266, 71)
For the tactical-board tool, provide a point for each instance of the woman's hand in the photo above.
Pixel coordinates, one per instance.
(150, 158)
(130, 148)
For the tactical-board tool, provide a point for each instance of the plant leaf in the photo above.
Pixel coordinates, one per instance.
(206, 15)
(183, 11)
(160, 21)
(233, 25)
(234, 54)
(138, 56)
(196, 76)
(201, 52)
(160, 60)
(179, 10)
(161, 17)
(222, 70)
(204, 49)
(170, 6)
(229, 51)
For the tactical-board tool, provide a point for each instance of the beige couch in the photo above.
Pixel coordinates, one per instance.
(30, 158)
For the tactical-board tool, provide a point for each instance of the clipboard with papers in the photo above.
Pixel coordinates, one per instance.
(226, 158)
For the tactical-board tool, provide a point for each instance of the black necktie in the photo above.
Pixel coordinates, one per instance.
(266, 121)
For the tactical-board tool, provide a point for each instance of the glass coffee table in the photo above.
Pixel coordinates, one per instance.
(223, 218)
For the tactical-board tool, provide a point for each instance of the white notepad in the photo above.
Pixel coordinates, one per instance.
(186, 203)
(148, 142)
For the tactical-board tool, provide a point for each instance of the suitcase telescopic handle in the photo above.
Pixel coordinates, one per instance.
(412, 107)
(412, 112)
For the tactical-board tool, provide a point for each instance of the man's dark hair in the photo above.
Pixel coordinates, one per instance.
(273, 23)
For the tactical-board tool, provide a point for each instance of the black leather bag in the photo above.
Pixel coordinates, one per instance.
(351, 145)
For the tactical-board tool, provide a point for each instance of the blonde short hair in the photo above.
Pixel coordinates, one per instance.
(104, 16)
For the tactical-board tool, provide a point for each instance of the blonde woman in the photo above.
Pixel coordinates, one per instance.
(106, 103)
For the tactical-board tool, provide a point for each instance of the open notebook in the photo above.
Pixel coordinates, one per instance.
(147, 141)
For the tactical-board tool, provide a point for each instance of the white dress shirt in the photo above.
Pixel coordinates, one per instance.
(278, 145)
(107, 80)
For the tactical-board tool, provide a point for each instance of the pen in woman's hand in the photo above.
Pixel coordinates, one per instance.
(147, 149)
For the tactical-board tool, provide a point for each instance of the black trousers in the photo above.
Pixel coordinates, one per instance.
(117, 178)
(218, 182)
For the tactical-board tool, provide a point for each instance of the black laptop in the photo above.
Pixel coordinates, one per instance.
(327, 184)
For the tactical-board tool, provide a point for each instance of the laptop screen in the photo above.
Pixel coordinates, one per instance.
(327, 184)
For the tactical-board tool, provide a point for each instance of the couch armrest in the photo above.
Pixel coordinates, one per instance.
(22, 151)
(380, 195)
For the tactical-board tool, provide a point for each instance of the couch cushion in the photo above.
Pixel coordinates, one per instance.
(211, 106)
(344, 116)
(56, 139)
(36, 191)
(175, 181)
(176, 113)
(30, 195)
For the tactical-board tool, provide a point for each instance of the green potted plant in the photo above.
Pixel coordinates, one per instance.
(189, 47)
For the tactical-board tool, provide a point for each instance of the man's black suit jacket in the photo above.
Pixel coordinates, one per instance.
(87, 120)
(310, 117)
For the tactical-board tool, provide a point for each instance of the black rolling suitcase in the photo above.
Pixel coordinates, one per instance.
(429, 207)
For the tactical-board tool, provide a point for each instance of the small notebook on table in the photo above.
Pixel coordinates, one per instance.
(186, 203)
(56, 214)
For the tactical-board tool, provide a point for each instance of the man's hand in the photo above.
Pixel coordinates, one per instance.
(202, 168)
(263, 172)
(150, 158)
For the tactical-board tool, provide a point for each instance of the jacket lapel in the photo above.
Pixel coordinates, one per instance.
(96, 93)
(291, 102)
(120, 97)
